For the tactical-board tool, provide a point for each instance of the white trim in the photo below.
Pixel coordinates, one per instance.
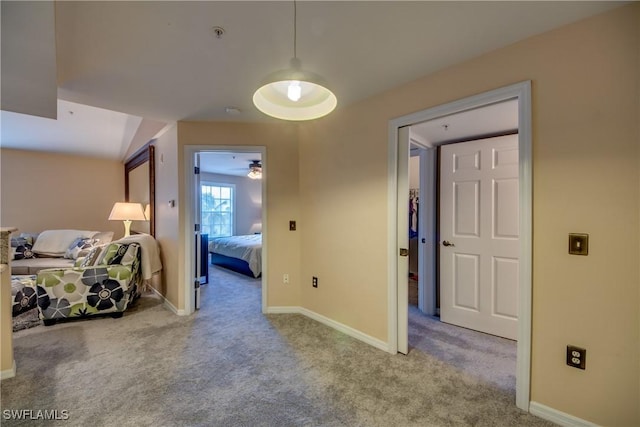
(522, 92)
(558, 417)
(284, 310)
(166, 303)
(347, 330)
(187, 232)
(392, 230)
(523, 360)
(8, 373)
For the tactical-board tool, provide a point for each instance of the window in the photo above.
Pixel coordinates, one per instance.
(218, 209)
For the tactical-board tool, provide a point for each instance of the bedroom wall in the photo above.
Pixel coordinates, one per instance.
(248, 213)
(45, 190)
(586, 140)
(282, 204)
(167, 217)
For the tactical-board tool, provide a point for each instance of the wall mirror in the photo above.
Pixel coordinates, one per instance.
(139, 186)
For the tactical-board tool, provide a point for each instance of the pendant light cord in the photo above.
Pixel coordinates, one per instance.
(295, 28)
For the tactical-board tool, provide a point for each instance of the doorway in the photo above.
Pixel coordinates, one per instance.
(398, 165)
(234, 206)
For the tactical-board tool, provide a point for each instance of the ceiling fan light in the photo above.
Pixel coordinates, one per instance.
(255, 170)
(253, 174)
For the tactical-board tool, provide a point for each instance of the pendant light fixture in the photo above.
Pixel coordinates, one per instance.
(293, 93)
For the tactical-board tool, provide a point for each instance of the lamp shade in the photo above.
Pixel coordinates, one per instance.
(127, 211)
(294, 94)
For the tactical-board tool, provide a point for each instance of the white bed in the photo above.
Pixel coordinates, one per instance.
(247, 248)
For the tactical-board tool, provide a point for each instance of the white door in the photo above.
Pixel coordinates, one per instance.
(479, 251)
(402, 248)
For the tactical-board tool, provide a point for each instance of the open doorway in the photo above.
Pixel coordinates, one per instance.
(226, 219)
(399, 139)
(475, 322)
(484, 137)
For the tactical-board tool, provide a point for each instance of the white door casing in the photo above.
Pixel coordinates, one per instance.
(522, 92)
(403, 239)
(479, 233)
(189, 241)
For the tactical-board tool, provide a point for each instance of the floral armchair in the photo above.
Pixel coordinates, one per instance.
(106, 281)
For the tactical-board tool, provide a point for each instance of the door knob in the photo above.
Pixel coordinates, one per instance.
(424, 240)
(447, 243)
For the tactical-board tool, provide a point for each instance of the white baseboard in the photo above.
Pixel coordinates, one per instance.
(284, 310)
(558, 417)
(8, 373)
(348, 330)
(167, 303)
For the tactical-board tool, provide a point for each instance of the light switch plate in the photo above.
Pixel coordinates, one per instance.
(578, 244)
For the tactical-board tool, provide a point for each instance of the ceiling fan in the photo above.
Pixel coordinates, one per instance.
(255, 170)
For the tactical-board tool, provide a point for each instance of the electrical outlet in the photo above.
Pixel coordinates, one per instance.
(576, 357)
(285, 278)
(314, 282)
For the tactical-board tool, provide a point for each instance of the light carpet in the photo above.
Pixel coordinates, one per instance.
(229, 365)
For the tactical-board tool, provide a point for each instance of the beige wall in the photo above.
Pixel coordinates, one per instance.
(167, 228)
(282, 204)
(43, 191)
(585, 169)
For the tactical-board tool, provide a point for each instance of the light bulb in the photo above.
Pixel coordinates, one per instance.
(294, 91)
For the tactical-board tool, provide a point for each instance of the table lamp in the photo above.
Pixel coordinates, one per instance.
(127, 212)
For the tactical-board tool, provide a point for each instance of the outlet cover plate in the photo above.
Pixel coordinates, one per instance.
(576, 357)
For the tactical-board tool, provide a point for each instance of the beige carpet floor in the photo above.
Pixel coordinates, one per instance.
(229, 365)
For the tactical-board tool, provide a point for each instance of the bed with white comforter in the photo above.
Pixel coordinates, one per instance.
(247, 248)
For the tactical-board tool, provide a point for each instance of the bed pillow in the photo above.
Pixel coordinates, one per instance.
(54, 243)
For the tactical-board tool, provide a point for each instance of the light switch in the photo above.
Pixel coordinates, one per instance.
(578, 244)
(292, 225)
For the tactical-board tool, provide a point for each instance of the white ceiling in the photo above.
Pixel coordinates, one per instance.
(480, 122)
(161, 61)
(227, 163)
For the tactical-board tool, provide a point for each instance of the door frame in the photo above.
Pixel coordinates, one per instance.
(426, 226)
(189, 243)
(522, 92)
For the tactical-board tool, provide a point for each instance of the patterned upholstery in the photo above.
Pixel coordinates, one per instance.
(90, 290)
(23, 293)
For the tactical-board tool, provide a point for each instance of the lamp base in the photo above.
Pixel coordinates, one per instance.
(127, 227)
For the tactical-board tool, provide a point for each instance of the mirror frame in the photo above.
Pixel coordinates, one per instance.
(140, 157)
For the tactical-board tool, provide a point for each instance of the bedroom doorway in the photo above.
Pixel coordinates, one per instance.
(399, 143)
(225, 217)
